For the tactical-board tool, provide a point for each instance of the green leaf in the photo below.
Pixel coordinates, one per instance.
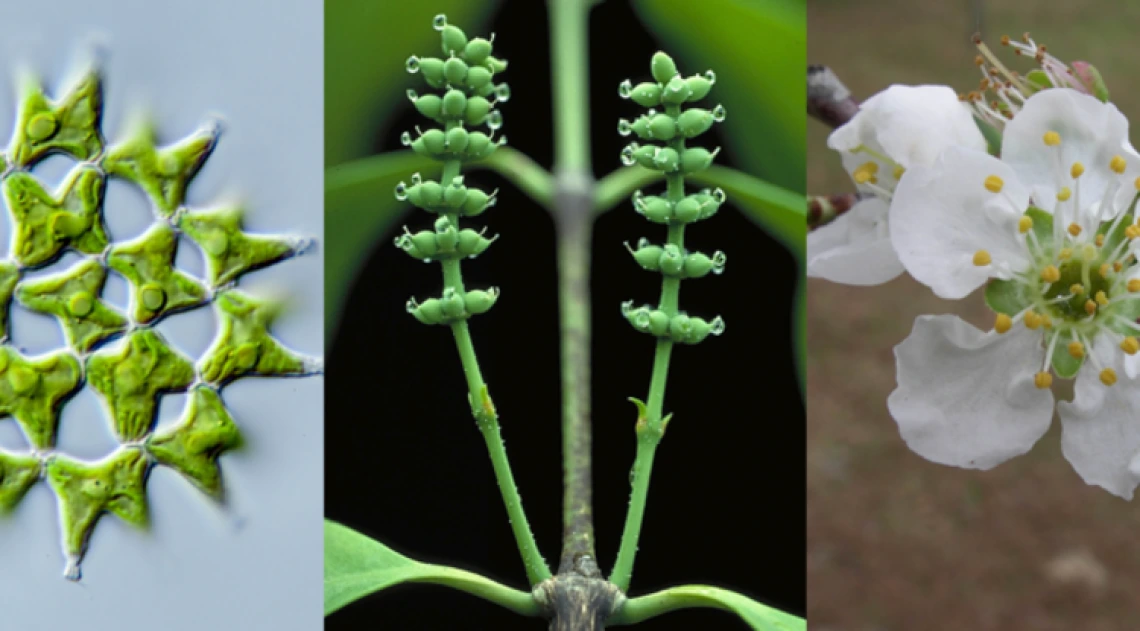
(758, 49)
(1007, 296)
(1064, 364)
(366, 45)
(360, 209)
(759, 617)
(992, 136)
(356, 566)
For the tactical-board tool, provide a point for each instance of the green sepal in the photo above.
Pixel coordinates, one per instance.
(1042, 224)
(1064, 364)
(1007, 296)
(991, 134)
(1091, 78)
(1038, 80)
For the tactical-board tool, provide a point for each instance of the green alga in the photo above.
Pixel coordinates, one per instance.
(73, 297)
(193, 446)
(157, 287)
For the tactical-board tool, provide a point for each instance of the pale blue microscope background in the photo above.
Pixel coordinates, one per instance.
(256, 564)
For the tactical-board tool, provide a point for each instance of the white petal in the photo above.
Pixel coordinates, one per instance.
(941, 215)
(855, 249)
(966, 398)
(908, 125)
(1101, 426)
(1092, 133)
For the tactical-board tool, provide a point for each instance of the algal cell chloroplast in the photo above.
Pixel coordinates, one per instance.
(60, 258)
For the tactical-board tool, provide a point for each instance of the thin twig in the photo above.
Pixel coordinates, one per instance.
(828, 100)
(823, 209)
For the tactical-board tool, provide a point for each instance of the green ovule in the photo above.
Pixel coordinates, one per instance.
(69, 125)
(32, 390)
(131, 379)
(73, 297)
(162, 172)
(9, 276)
(17, 474)
(148, 263)
(229, 251)
(194, 445)
(45, 223)
(116, 485)
(244, 345)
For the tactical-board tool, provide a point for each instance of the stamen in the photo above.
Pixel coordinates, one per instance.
(1130, 345)
(1025, 224)
(1132, 232)
(1105, 270)
(898, 172)
(1117, 164)
(1090, 307)
(1074, 229)
(1032, 320)
(1117, 267)
(865, 173)
(1077, 170)
(1099, 240)
(982, 258)
(1101, 298)
(1064, 254)
(1134, 285)
(1077, 289)
(1043, 380)
(994, 184)
(1002, 323)
(1108, 376)
(1064, 194)
(1050, 274)
(1052, 138)
(1046, 321)
(1076, 349)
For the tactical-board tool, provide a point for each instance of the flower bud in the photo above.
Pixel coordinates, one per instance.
(659, 323)
(646, 94)
(662, 127)
(672, 260)
(495, 65)
(454, 104)
(477, 143)
(431, 193)
(666, 160)
(675, 92)
(479, 302)
(432, 70)
(471, 243)
(457, 139)
(687, 210)
(646, 255)
(454, 40)
(699, 87)
(452, 304)
(656, 209)
(429, 311)
(694, 122)
(663, 67)
(455, 195)
(679, 327)
(455, 71)
(476, 202)
(697, 159)
(641, 127)
(429, 105)
(477, 51)
(434, 141)
(477, 109)
(644, 155)
(698, 265)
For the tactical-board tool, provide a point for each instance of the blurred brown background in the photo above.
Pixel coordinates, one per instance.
(896, 543)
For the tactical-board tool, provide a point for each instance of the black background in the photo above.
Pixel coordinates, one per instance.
(405, 463)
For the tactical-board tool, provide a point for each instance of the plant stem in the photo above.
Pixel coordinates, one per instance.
(483, 409)
(651, 427)
(573, 215)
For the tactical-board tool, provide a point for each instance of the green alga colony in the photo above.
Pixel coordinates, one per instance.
(120, 355)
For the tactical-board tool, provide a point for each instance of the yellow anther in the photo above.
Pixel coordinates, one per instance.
(1074, 229)
(1132, 232)
(1077, 170)
(1117, 164)
(1064, 254)
(1025, 224)
(1134, 285)
(982, 258)
(1046, 321)
(1032, 320)
(1043, 380)
(1090, 307)
(1076, 349)
(994, 184)
(1002, 323)
(1101, 298)
(1117, 266)
(1050, 274)
(1136, 183)
(1052, 138)
(1108, 376)
(1077, 289)
(1099, 240)
(1088, 251)
(866, 173)
(1130, 345)
(899, 170)
(1105, 270)
(1064, 194)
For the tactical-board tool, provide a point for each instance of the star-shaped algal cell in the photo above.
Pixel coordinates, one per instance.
(17, 474)
(244, 345)
(165, 172)
(231, 252)
(116, 485)
(72, 296)
(9, 276)
(69, 125)
(148, 263)
(194, 445)
(32, 391)
(45, 224)
(132, 378)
